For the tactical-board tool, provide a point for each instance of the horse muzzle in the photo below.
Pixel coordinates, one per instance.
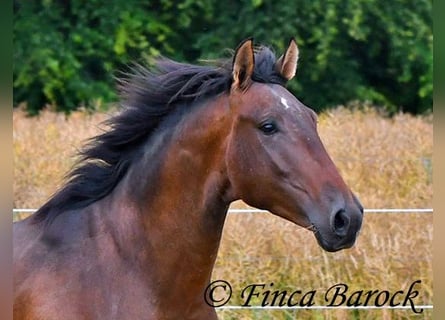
(341, 230)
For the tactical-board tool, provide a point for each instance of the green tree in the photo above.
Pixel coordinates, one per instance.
(66, 53)
(374, 50)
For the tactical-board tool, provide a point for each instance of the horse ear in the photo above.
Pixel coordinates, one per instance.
(243, 65)
(286, 65)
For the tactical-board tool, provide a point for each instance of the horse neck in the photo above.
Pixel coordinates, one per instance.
(182, 201)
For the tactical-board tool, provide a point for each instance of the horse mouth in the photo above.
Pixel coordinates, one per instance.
(339, 229)
(325, 234)
(333, 244)
(312, 228)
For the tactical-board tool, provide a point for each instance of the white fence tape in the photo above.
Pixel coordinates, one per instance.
(418, 307)
(253, 210)
(294, 308)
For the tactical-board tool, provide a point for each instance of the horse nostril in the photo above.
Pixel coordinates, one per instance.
(340, 223)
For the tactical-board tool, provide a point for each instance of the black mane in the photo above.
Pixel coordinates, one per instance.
(148, 96)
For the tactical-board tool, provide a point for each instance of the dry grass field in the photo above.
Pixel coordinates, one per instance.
(387, 162)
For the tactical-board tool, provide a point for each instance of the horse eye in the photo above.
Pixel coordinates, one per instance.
(268, 128)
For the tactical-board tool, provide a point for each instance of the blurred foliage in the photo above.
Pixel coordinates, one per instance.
(66, 53)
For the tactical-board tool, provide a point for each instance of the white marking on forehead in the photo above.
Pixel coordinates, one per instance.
(287, 103)
(284, 103)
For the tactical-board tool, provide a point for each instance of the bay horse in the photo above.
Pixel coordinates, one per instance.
(135, 230)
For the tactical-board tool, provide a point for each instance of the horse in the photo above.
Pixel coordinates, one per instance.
(134, 231)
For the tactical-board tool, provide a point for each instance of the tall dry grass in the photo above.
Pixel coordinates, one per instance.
(387, 162)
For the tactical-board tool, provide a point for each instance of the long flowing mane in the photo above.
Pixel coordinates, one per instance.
(148, 97)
